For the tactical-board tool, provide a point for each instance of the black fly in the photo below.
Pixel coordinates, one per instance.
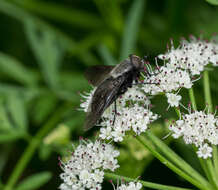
(111, 82)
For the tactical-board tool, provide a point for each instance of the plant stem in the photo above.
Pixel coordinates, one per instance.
(144, 183)
(192, 98)
(172, 166)
(34, 143)
(170, 154)
(212, 172)
(213, 169)
(207, 94)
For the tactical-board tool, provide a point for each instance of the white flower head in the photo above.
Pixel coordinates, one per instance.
(85, 168)
(167, 79)
(173, 99)
(198, 128)
(192, 55)
(133, 117)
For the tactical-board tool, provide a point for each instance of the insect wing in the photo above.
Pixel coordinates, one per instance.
(103, 97)
(96, 74)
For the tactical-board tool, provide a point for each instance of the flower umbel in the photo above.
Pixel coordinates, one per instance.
(85, 168)
(192, 55)
(198, 128)
(167, 79)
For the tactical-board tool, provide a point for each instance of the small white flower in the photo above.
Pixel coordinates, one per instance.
(177, 129)
(173, 99)
(105, 133)
(118, 134)
(84, 176)
(205, 151)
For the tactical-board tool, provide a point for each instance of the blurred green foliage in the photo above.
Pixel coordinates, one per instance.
(45, 46)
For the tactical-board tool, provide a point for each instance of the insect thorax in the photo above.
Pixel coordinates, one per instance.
(121, 68)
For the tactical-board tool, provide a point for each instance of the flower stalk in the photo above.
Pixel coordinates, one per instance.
(151, 185)
(213, 166)
(172, 166)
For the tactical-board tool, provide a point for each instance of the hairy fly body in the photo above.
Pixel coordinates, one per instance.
(111, 82)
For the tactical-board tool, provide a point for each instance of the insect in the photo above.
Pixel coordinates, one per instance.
(110, 82)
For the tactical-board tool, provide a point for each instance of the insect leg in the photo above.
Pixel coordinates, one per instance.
(115, 111)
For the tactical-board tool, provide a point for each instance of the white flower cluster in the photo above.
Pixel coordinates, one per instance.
(134, 117)
(181, 64)
(129, 186)
(198, 128)
(85, 168)
(167, 80)
(192, 56)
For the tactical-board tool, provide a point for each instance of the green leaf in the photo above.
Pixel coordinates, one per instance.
(17, 110)
(4, 157)
(12, 119)
(14, 69)
(9, 136)
(132, 26)
(16, 12)
(47, 49)
(5, 123)
(43, 106)
(35, 181)
(213, 2)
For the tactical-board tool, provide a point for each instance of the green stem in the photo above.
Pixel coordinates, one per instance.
(207, 94)
(144, 183)
(172, 166)
(215, 159)
(213, 169)
(212, 173)
(35, 142)
(192, 98)
(170, 154)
